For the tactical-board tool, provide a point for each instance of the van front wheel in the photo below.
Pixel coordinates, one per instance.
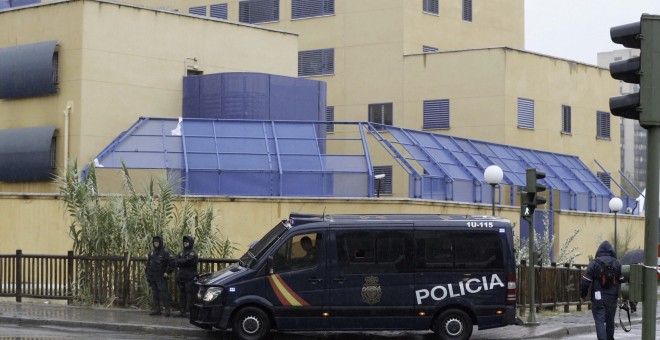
(251, 323)
(453, 324)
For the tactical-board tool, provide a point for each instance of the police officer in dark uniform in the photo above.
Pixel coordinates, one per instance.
(186, 262)
(157, 275)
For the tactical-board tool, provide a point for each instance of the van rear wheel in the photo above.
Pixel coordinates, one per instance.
(453, 324)
(251, 323)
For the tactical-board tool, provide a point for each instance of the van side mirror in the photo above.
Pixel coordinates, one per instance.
(269, 265)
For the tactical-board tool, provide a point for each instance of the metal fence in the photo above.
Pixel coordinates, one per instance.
(120, 280)
(109, 280)
(556, 286)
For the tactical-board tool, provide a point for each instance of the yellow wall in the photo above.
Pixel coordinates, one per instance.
(39, 223)
(118, 63)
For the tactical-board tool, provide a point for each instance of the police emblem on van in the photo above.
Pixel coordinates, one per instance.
(371, 291)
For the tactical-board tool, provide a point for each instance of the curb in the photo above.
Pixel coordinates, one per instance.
(117, 327)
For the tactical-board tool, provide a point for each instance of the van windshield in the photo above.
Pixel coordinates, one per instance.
(257, 250)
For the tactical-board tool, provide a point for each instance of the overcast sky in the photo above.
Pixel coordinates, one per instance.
(579, 29)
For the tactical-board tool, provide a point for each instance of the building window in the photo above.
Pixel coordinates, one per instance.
(330, 118)
(604, 177)
(56, 67)
(565, 119)
(467, 10)
(259, 11)
(219, 11)
(199, 10)
(431, 6)
(602, 125)
(428, 49)
(525, 113)
(316, 62)
(311, 8)
(380, 114)
(436, 114)
(385, 183)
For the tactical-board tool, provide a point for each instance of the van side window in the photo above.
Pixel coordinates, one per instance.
(361, 252)
(458, 250)
(299, 251)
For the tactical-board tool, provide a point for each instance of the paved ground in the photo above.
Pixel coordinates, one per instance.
(552, 325)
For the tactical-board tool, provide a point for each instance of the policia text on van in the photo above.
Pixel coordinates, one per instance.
(367, 272)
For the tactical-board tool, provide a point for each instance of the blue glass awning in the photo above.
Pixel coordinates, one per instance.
(241, 157)
(452, 168)
(297, 158)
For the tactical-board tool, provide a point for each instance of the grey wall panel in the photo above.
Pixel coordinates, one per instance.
(28, 70)
(26, 155)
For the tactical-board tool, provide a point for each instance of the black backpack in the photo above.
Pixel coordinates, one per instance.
(608, 276)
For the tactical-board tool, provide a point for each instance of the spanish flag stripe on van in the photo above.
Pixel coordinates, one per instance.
(284, 293)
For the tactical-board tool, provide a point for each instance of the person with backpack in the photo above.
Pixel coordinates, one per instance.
(603, 276)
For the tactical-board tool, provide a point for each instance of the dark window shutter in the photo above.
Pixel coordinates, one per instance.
(311, 8)
(330, 118)
(467, 10)
(525, 113)
(385, 183)
(602, 124)
(431, 6)
(436, 114)
(219, 11)
(199, 10)
(258, 11)
(316, 62)
(565, 119)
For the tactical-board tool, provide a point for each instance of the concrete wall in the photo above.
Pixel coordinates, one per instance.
(39, 223)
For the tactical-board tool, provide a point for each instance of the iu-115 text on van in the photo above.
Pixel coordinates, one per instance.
(367, 272)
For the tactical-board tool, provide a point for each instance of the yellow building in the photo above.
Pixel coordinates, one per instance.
(453, 67)
(383, 59)
(117, 62)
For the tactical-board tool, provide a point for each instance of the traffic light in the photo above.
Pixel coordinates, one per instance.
(642, 70)
(631, 289)
(532, 199)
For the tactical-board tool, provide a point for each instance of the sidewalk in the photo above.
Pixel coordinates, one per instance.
(139, 321)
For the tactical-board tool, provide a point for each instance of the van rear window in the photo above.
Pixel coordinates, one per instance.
(458, 250)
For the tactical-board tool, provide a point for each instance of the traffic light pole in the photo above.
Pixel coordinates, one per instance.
(531, 318)
(651, 232)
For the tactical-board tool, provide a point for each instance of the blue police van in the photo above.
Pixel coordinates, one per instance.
(446, 273)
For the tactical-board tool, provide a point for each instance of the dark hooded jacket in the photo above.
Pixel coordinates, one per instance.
(158, 260)
(186, 261)
(606, 254)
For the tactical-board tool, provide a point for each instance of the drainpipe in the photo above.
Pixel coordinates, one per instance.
(67, 111)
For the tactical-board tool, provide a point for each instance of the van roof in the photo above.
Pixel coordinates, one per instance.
(298, 219)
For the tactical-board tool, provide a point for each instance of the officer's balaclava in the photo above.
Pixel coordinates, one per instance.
(158, 239)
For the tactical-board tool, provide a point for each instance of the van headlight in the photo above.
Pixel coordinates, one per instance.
(212, 294)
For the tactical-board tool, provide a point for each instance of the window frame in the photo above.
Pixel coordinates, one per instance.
(386, 183)
(525, 113)
(221, 8)
(330, 118)
(431, 7)
(324, 57)
(246, 6)
(436, 114)
(566, 119)
(386, 113)
(327, 8)
(467, 11)
(197, 10)
(603, 125)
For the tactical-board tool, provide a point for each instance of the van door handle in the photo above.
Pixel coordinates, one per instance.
(340, 279)
(315, 280)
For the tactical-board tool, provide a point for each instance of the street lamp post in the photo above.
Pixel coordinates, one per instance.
(493, 176)
(615, 205)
